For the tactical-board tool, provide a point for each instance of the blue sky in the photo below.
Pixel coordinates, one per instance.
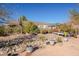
(42, 12)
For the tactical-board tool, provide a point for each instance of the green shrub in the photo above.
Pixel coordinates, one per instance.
(59, 40)
(44, 31)
(34, 29)
(27, 26)
(14, 30)
(2, 30)
(74, 31)
(42, 38)
(75, 35)
(30, 27)
(50, 31)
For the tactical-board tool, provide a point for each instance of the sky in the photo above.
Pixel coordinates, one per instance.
(42, 12)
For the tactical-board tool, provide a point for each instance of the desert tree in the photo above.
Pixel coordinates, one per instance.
(22, 19)
(74, 15)
(4, 13)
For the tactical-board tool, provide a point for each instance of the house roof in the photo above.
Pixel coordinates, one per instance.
(42, 23)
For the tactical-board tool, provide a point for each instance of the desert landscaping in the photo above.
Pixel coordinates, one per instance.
(25, 37)
(68, 48)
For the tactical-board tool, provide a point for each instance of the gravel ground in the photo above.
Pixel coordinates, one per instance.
(70, 48)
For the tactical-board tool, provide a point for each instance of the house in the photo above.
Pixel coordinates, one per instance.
(44, 25)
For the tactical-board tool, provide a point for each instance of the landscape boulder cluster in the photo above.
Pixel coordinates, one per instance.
(14, 46)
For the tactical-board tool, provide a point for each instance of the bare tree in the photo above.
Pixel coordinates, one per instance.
(4, 13)
(74, 16)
